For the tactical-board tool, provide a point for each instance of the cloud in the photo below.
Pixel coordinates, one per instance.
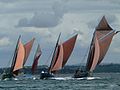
(4, 41)
(45, 19)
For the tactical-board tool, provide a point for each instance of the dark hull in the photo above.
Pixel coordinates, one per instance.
(7, 76)
(46, 75)
(81, 75)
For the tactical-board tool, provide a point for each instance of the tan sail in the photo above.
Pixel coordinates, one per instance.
(28, 47)
(59, 59)
(20, 57)
(55, 55)
(96, 55)
(104, 33)
(68, 48)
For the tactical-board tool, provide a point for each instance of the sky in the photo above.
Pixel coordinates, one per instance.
(45, 19)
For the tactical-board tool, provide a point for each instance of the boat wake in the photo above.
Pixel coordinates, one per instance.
(71, 78)
(88, 78)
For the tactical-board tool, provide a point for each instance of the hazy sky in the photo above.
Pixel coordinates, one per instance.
(45, 19)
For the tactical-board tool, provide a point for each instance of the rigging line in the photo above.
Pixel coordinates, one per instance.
(107, 35)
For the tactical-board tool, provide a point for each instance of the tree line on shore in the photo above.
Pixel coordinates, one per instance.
(69, 69)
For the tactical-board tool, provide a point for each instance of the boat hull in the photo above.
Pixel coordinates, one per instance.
(82, 74)
(46, 75)
(7, 76)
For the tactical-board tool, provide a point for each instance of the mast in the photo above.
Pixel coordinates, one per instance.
(15, 55)
(54, 51)
(90, 54)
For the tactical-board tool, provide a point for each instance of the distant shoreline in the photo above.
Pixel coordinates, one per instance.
(69, 69)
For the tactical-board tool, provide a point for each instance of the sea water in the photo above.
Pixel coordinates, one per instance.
(100, 81)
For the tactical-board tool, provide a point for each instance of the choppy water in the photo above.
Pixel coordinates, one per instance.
(106, 81)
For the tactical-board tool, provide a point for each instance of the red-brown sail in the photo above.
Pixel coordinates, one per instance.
(68, 48)
(102, 38)
(20, 57)
(28, 47)
(63, 51)
(36, 58)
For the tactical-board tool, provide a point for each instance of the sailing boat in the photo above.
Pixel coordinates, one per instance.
(17, 61)
(100, 43)
(27, 47)
(60, 56)
(36, 58)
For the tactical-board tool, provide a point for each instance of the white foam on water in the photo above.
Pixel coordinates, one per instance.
(71, 78)
(7, 79)
(15, 78)
(61, 78)
(88, 78)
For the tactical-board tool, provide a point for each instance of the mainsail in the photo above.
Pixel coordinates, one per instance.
(101, 41)
(28, 47)
(18, 58)
(36, 58)
(15, 55)
(62, 54)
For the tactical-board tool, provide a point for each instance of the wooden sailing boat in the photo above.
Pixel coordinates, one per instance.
(17, 61)
(60, 56)
(27, 47)
(101, 41)
(36, 58)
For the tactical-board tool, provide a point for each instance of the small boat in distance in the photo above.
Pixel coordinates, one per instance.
(100, 43)
(60, 56)
(36, 58)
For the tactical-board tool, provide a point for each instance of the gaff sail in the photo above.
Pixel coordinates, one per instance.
(28, 47)
(20, 57)
(36, 58)
(68, 48)
(101, 41)
(62, 54)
